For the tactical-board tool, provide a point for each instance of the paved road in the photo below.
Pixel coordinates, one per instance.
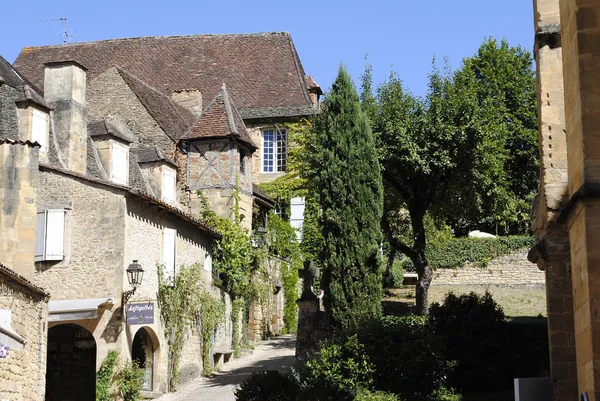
(276, 354)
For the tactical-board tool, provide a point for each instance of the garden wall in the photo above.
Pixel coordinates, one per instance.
(512, 270)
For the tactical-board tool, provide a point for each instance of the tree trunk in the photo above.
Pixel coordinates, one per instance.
(388, 279)
(423, 283)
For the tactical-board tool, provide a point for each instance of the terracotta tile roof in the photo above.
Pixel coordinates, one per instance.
(139, 194)
(220, 119)
(171, 117)
(14, 276)
(263, 70)
(311, 84)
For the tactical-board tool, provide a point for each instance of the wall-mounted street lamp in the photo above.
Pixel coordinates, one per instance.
(135, 275)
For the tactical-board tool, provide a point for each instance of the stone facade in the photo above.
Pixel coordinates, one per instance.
(512, 270)
(18, 186)
(23, 370)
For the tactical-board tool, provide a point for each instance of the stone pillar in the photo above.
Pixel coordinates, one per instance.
(580, 25)
(551, 249)
(64, 90)
(19, 169)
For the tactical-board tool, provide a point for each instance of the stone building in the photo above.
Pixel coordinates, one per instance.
(565, 216)
(23, 326)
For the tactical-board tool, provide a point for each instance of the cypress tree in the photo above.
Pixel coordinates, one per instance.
(344, 172)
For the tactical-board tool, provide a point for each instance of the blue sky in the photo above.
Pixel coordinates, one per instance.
(399, 34)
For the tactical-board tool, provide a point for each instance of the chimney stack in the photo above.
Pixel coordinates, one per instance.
(64, 91)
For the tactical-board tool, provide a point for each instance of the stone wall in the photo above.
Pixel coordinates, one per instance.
(23, 372)
(512, 270)
(93, 240)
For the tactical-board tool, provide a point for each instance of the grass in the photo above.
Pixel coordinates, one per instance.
(516, 302)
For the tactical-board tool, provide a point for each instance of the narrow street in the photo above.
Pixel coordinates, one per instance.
(276, 354)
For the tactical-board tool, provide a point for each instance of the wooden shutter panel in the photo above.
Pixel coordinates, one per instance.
(169, 238)
(297, 215)
(55, 234)
(168, 185)
(40, 236)
(119, 164)
(39, 123)
(207, 261)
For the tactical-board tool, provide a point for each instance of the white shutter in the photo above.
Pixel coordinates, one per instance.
(297, 215)
(207, 261)
(168, 185)
(120, 164)
(40, 235)
(169, 238)
(39, 123)
(55, 234)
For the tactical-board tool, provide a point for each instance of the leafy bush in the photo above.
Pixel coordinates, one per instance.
(338, 371)
(267, 386)
(376, 396)
(395, 277)
(104, 376)
(408, 359)
(471, 328)
(130, 381)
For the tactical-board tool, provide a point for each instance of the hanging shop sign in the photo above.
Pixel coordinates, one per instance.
(140, 313)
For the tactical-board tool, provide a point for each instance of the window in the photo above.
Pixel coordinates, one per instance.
(274, 150)
(297, 216)
(169, 238)
(39, 128)
(169, 177)
(120, 164)
(242, 161)
(49, 235)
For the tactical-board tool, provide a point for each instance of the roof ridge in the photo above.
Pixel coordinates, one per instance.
(159, 37)
(228, 111)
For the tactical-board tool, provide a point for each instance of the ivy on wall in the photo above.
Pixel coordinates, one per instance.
(455, 252)
(184, 304)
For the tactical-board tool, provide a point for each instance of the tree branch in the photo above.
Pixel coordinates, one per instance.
(394, 242)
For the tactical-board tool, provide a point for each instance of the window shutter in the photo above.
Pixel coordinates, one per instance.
(297, 215)
(207, 261)
(169, 238)
(39, 122)
(119, 164)
(40, 236)
(168, 185)
(55, 233)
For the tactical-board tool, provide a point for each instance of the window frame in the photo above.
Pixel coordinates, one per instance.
(275, 148)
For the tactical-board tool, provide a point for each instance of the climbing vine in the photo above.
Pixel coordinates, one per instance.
(237, 307)
(104, 376)
(184, 302)
(212, 312)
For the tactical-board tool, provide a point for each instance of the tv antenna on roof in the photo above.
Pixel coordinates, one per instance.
(65, 35)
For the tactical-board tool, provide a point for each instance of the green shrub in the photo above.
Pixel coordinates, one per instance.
(376, 396)
(105, 375)
(130, 380)
(408, 359)
(395, 277)
(267, 386)
(338, 371)
(469, 326)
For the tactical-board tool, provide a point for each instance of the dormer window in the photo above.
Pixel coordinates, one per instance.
(39, 128)
(120, 164)
(169, 180)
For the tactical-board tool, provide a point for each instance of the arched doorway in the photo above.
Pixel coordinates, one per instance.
(71, 364)
(142, 352)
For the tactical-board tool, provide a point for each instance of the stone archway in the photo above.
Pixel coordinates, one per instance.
(71, 364)
(144, 351)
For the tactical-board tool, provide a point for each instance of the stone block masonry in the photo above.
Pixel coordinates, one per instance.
(513, 270)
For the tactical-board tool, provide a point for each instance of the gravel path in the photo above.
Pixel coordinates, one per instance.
(276, 354)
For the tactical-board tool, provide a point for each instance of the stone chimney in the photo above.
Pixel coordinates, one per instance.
(64, 91)
(191, 99)
(18, 191)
